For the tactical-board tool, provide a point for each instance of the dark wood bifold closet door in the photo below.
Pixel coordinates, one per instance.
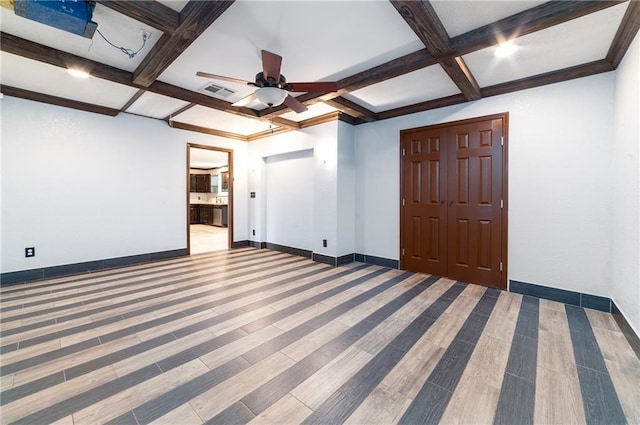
(452, 195)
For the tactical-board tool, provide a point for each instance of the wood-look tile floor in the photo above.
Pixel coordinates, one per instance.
(262, 337)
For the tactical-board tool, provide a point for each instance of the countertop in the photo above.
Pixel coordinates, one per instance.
(207, 203)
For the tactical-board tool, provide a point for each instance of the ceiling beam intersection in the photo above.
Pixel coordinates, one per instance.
(626, 33)
(425, 23)
(529, 21)
(151, 13)
(195, 18)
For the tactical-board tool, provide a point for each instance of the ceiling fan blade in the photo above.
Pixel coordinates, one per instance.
(246, 100)
(222, 77)
(294, 104)
(271, 65)
(318, 87)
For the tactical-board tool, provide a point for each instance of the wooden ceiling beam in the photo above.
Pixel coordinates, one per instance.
(39, 52)
(178, 112)
(133, 99)
(425, 23)
(28, 49)
(566, 74)
(205, 130)
(151, 13)
(625, 34)
(579, 71)
(532, 20)
(529, 21)
(283, 122)
(58, 101)
(195, 18)
(352, 108)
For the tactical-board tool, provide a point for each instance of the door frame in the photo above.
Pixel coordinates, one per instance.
(230, 197)
(505, 192)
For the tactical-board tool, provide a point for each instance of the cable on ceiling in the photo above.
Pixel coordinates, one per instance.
(124, 50)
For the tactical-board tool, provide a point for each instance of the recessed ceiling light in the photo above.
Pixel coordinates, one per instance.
(505, 49)
(78, 73)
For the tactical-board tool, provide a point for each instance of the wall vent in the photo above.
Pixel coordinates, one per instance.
(217, 90)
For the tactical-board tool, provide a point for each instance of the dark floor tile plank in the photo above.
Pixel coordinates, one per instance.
(601, 403)
(523, 358)
(236, 414)
(527, 324)
(449, 369)
(585, 346)
(170, 400)
(32, 387)
(65, 408)
(518, 407)
(276, 388)
(48, 356)
(342, 403)
(430, 410)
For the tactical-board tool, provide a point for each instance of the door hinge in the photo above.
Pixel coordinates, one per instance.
(403, 252)
(501, 203)
(403, 202)
(501, 140)
(500, 265)
(403, 152)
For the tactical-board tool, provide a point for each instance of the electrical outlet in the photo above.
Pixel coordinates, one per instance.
(324, 243)
(30, 252)
(146, 35)
(254, 232)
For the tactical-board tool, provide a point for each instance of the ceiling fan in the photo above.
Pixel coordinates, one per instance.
(273, 88)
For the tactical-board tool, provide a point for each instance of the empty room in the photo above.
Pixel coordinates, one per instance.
(319, 212)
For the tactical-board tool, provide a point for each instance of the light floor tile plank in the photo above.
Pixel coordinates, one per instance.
(183, 415)
(236, 348)
(558, 399)
(319, 386)
(287, 410)
(215, 400)
(132, 397)
(602, 320)
(383, 406)
(52, 395)
(615, 347)
(626, 382)
(472, 402)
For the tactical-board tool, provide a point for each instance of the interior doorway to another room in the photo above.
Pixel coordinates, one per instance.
(209, 199)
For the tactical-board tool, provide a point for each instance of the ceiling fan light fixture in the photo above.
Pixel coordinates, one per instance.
(271, 96)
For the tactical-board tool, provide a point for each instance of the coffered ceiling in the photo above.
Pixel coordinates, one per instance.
(388, 58)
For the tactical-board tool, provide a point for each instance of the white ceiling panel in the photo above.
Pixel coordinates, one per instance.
(212, 118)
(176, 5)
(207, 158)
(579, 41)
(119, 29)
(232, 45)
(155, 105)
(417, 86)
(52, 80)
(313, 111)
(459, 17)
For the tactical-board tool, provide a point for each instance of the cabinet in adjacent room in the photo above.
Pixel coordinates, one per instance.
(194, 216)
(200, 183)
(206, 214)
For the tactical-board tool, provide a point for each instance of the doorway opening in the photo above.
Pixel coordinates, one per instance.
(209, 199)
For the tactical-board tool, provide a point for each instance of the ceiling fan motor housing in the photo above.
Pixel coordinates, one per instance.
(270, 82)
